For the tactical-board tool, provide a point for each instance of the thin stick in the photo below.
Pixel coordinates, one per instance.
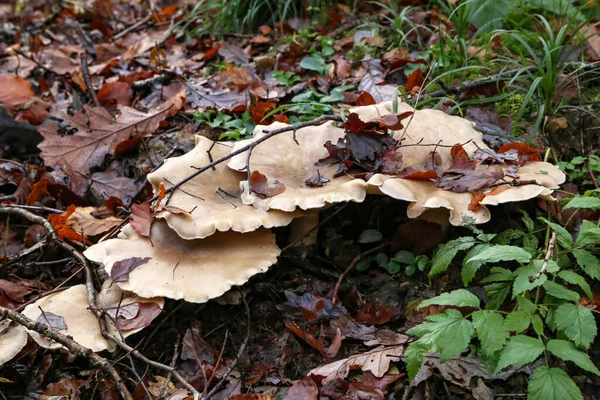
(547, 259)
(88, 81)
(352, 265)
(73, 346)
(132, 27)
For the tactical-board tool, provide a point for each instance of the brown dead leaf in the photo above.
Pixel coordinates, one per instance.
(64, 231)
(109, 184)
(372, 314)
(239, 76)
(262, 187)
(144, 317)
(19, 100)
(377, 361)
(304, 389)
(82, 220)
(98, 134)
(141, 218)
(121, 269)
(114, 93)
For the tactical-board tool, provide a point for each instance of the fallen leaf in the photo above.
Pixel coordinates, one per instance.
(263, 188)
(141, 218)
(365, 99)
(63, 231)
(52, 320)
(114, 93)
(109, 184)
(232, 53)
(461, 178)
(304, 389)
(146, 314)
(372, 314)
(525, 152)
(317, 344)
(476, 199)
(121, 269)
(414, 80)
(83, 220)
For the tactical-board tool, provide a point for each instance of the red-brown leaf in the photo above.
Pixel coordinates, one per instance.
(365, 99)
(141, 218)
(372, 314)
(114, 93)
(476, 198)
(414, 80)
(304, 389)
(146, 314)
(411, 173)
(525, 152)
(458, 153)
(263, 188)
(121, 269)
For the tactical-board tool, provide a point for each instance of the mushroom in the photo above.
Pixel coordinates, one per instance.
(194, 270)
(211, 198)
(12, 340)
(293, 164)
(68, 312)
(435, 127)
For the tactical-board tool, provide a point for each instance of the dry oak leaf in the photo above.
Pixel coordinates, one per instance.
(281, 159)
(212, 197)
(432, 127)
(64, 231)
(377, 361)
(83, 220)
(193, 270)
(98, 134)
(19, 100)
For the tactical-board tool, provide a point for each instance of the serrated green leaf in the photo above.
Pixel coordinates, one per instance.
(526, 305)
(415, 353)
(497, 294)
(567, 351)
(552, 384)
(577, 323)
(521, 350)
(588, 203)
(588, 262)
(507, 236)
(459, 298)
(469, 268)
(538, 325)
(498, 274)
(551, 268)
(501, 253)
(522, 282)
(517, 321)
(576, 279)
(587, 237)
(489, 326)
(446, 252)
(531, 242)
(448, 332)
(529, 223)
(559, 291)
(563, 237)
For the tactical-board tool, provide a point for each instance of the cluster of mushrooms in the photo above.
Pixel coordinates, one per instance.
(224, 237)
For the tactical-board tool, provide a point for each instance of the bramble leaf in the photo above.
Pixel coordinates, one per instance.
(576, 279)
(517, 321)
(559, 291)
(445, 253)
(469, 268)
(567, 351)
(588, 203)
(577, 323)
(459, 298)
(552, 384)
(563, 236)
(522, 282)
(489, 326)
(520, 349)
(588, 262)
(501, 253)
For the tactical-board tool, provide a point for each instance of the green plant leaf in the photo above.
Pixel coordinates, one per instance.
(489, 326)
(370, 236)
(404, 257)
(498, 274)
(497, 293)
(526, 305)
(469, 268)
(521, 350)
(315, 62)
(552, 384)
(522, 282)
(588, 203)
(538, 324)
(501, 253)
(446, 252)
(507, 236)
(559, 291)
(588, 262)
(576, 279)
(459, 298)
(577, 323)
(415, 353)
(517, 321)
(589, 236)
(448, 332)
(567, 351)
(563, 237)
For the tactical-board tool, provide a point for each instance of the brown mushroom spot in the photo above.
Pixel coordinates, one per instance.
(293, 164)
(193, 270)
(212, 198)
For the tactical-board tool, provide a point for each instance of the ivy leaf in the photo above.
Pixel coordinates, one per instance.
(448, 332)
(563, 236)
(489, 326)
(469, 268)
(502, 253)
(588, 203)
(577, 323)
(559, 291)
(459, 298)
(445, 253)
(576, 279)
(552, 384)
(589, 236)
(567, 351)
(588, 262)
(497, 293)
(517, 321)
(522, 282)
(521, 350)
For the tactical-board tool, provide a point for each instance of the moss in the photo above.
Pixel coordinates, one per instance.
(159, 147)
(509, 107)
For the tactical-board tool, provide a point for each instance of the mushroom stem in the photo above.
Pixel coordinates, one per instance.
(70, 344)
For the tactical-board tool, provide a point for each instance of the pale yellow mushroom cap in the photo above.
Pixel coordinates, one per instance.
(281, 159)
(212, 198)
(12, 341)
(193, 270)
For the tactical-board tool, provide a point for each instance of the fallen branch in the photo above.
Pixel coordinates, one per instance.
(73, 346)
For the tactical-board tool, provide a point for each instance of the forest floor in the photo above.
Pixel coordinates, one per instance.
(204, 75)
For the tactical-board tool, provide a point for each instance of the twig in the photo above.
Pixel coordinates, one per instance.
(549, 254)
(88, 81)
(594, 181)
(217, 364)
(73, 346)
(237, 357)
(250, 146)
(352, 264)
(132, 27)
(172, 365)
